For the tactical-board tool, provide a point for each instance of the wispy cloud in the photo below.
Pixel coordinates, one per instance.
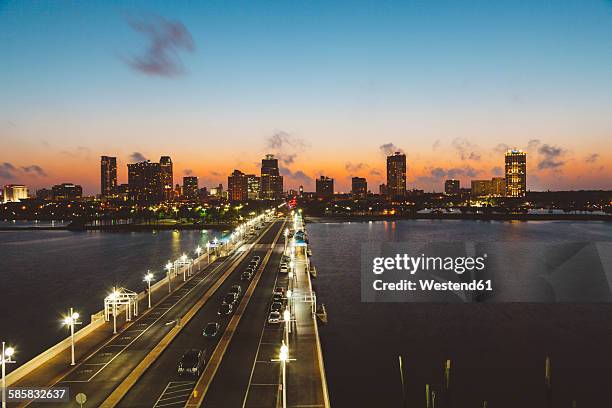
(166, 39)
(285, 146)
(187, 172)
(35, 170)
(7, 171)
(466, 150)
(550, 157)
(355, 167)
(389, 148)
(592, 158)
(137, 157)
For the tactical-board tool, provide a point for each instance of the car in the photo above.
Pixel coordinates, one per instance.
(284, 268)
(237, 289)
(279, 290)
(192, 362)
(276, 307)
(274, 317)
(230, 298)
(277, 298)
(225, 309)
(256, 258)
(250, 269)
(245, 276)
(211, 329)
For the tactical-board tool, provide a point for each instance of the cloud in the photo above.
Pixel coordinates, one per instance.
(7, 171)
(79, 152)
(550, 157)
(465, 149)
(297, 176)
(376, 172)
(355, 167)
(216, 173)
(501, 148)
(34, 169)
(438, 173)
(497, 171)
(532, 145)
(187, 172)
(166, 39)
(592, 158)
(465, 171)
(137, 157)
(286, 147)
(389, 148)
(436, 145)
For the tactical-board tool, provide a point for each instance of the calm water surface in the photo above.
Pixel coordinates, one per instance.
(43, 273)
(497, 350)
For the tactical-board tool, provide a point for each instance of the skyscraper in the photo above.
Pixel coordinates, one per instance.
(237, 186)
(498, 186)
(252, 186)
(145, 182)
(167, 178)
(191, 188)
(516, 173)
(481, 188)
(325, 187)
(396, 175)
(359, 187)
(271, 182)
(108, 175)
(451, 187)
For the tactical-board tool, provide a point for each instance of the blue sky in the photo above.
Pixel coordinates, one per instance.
(339, 76)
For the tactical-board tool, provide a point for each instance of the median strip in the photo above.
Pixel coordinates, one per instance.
(201, 387)
(122, 389)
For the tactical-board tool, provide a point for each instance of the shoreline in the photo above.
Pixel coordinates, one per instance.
(122, 227)
(454, 216)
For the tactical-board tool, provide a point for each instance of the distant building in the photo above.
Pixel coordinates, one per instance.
(145, 182)
(237, 186)
(451, 187)
(177, 193)
(108, 176)
(67, 191)
(481, 188)
(14, 193)
(253, 186)
(382, 189)
(325, 187)
(359, 187)
(44, 194)
(300, 191)
(123, 192)
(217, 191)
(396, 175)
(271, 182)
(498, 186)
(191, 187)
(167, 178)
(203, 193)
(516, 173)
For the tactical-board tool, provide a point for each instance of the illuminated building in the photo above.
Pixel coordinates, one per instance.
(191, 188)
(237, 186)
(481, 188)
(145, 182)
(67, 191)
(451, 187)
(167, 178)
(359, 187)
(498, 186)
(252, 186)
(325, 187)
(14, 193)
(396, 175)
(108, 176)
(516, 173)
(271, 182)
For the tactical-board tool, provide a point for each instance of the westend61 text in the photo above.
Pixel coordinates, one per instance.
(431, 284)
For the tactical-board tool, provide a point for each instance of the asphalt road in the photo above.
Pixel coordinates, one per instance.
(161, 386)
(99, 374)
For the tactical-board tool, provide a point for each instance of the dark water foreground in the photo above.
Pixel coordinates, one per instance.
(497, 351)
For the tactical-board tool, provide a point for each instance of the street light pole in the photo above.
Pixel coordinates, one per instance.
(148, 278)
(284, 354)
(7, 353)
(168, 268)
(114, 311)
(71, 320)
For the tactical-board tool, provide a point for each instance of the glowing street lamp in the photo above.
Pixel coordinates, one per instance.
(113, 296)
(198, 252)
(168, 269)
(287, 320)
(289, 293)
(283, 357)
(7, 353)
(286, 236)
(70, 321)
(148, 278)
(208, 251)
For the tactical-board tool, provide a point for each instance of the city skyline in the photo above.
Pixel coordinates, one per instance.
(330, 89)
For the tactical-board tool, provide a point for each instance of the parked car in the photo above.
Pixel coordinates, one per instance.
(211, 329)
(225, 309)
(230, 298)
(276, 307)
(192, 362)
(246, 276)
(274, 317)
(284, 268)
(279, 291)
(256, 258)
(277, 298)
(237, 289)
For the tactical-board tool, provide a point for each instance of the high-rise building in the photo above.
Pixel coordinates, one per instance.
(271, 182)
(145, 182)
(217, 191)
(451, 187)
(396, 175)
(516, 173)
(481, 188)
(382, 189)
(167, 178)
(108, 175)
(252, 186)
(300, 190)
(191, 188)
(237, 186)
(325, 187)
(67, 191)
(498, 186)
(359, 187)
(14, 193)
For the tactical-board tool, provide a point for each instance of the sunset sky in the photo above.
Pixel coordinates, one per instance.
(328, 86)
